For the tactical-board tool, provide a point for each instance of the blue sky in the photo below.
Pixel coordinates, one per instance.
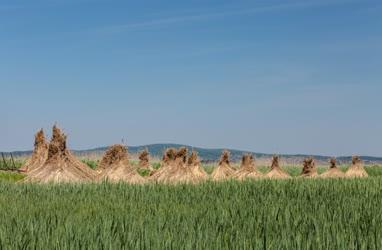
(291, 76)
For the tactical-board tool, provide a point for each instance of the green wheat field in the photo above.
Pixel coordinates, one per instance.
(262, 214)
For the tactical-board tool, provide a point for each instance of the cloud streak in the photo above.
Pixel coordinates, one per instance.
(216, 15)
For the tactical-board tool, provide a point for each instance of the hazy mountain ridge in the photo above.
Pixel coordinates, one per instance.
(207, 155)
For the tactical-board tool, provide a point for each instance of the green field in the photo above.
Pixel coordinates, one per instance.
(264, 214)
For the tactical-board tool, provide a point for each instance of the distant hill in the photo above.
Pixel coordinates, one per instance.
(210, 155)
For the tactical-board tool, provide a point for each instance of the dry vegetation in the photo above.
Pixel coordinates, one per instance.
(333, 171)
(53, 162)
(224, 169)
(116, 166)
(175, 168)
(356, 169)
(194, 164)
(309, 168)
(144, 160)
(247, 168)
(39, 155)
(276, 171)
(61, 165)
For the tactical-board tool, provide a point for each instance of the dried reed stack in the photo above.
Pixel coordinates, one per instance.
(167, 161)
(181, 155)
(61, 165)
(309, 168)
(356, 169)
(276, 171)
(193, 163)
(114, 154)
(247, 168)
(333, 171)
(144, 162)
(116, 166)
(176, 169)
(224, 169)
(39, 155)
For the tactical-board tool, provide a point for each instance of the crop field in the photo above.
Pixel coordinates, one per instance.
(58, 201)
(266, 214)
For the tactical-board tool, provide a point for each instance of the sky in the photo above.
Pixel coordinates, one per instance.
(274, 76)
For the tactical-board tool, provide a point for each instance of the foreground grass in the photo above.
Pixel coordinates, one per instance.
(8, 164)
(291, 214)
(10, 176)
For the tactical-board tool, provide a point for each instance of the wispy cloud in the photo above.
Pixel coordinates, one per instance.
(215, 15)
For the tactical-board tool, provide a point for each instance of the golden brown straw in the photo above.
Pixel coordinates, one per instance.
(333, 171)
(61, 165)
(117, 167)
(247, 168)
(144, 162)
(309, 168)
(174, 168)
(114, 154)
(356, 169)
(194, 164)
(224, 169)
(276, 171)
(39, 155)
